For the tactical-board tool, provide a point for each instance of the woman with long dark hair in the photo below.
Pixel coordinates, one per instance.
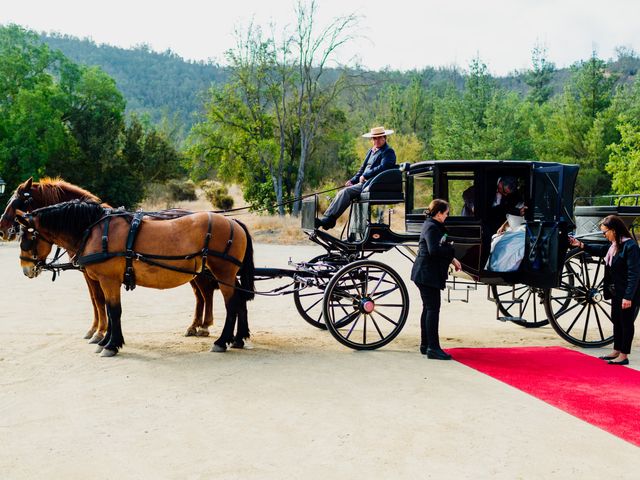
(429, 272)
(621, 282)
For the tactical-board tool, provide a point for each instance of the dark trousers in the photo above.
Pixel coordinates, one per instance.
(430, 318)
(623, 325)
(342, 200)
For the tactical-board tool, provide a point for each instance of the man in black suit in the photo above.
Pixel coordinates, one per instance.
(379, 158)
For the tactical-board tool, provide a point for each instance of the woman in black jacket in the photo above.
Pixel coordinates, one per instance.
(621, 282)
(429, 272)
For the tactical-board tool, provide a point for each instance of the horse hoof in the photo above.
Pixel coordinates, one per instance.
(248, 345)
(218, 348)
(191, 332)
(108, 353)
(99, 349)
(89, 334)
(202, 332)
(96, 338)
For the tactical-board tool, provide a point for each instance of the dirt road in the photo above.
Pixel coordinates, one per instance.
(298, 405)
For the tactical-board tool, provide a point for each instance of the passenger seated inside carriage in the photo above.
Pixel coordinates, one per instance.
(508, 242)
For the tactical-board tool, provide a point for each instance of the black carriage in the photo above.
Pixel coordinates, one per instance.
(365, 303)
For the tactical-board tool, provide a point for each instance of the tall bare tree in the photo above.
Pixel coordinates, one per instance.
(314, 94)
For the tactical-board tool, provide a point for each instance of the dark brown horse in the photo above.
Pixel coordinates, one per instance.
(167, 254)
(31, 195)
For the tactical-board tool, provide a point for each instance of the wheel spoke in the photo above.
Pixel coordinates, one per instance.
(387, 318)
(350, 318)
(375, 324)
(576, 318)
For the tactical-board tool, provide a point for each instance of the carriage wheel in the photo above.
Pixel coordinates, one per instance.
(366, 304)
(585, 316)
(534, 314)
(308, 298)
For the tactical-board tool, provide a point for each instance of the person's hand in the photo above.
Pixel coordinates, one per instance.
(348, 183)
(574, 242)
(626, 303)
(502, 229)
(362, 179)
(456, 264)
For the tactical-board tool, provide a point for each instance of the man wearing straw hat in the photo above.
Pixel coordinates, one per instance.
(379, 158)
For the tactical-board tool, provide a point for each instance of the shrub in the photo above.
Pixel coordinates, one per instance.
(217, 194)
(181, 190)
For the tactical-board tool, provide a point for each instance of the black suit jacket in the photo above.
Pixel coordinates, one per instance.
(374, 163)
(432, 263)
(624, 271)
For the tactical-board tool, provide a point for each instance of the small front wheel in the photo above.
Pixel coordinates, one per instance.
(308, 298)
(365, 305)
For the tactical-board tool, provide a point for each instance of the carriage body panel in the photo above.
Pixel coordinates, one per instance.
(547, 191)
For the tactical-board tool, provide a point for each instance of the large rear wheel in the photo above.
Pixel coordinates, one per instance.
(577, 309)
(365, 305)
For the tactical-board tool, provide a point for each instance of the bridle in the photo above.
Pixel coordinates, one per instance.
(29, 238)
(22, 202)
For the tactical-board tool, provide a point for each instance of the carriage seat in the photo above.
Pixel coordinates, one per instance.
(384, 188)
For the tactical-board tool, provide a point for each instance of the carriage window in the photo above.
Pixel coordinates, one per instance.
(461, 194)
(422, 193)
(547, 198)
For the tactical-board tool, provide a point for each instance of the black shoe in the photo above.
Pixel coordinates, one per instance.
(438, 354)
(621, 362)
(423, 349)
(608, 357)
(325, 222)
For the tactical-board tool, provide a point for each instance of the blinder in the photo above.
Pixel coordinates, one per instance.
(29, 238)
(22, 202)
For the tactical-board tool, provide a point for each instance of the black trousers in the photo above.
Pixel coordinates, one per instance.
(342, 200)
(623, 325)
(430, 318)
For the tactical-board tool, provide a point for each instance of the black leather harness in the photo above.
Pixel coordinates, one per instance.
(130, 254)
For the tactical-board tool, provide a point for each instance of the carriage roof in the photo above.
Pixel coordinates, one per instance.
(428, 165)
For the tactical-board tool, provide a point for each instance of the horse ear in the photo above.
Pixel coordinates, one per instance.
(20, 218)
(27, 185)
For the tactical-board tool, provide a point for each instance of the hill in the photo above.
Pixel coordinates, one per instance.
(157, 84)
(164, 85)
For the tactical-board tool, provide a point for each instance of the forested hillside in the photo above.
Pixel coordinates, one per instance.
(281, 119)
(157, 84)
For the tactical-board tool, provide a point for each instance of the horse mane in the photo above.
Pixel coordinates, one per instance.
(71, 218)
(56, 190)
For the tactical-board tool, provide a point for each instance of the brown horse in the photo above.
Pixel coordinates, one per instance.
(165, 254)
(49, 191)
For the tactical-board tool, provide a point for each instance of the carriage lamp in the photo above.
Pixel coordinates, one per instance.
(3, 184)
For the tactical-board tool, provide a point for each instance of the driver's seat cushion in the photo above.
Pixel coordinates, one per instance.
(384, 188)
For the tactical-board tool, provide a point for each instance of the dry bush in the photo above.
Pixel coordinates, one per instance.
(217, 194)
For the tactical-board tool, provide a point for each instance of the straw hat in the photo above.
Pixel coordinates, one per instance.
(377, 132)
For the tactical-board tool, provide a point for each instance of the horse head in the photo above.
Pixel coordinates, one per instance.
(34, 248)
(21, 199)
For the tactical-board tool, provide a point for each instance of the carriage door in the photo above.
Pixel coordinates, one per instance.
(545, 224)
(464, 225)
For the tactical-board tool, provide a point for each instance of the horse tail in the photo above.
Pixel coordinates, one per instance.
(248, 269)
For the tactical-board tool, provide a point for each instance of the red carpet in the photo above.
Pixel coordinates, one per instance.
(607, 396)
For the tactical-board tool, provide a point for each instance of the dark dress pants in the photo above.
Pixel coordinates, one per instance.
(342, 200)
(430, 318)
(623, 325)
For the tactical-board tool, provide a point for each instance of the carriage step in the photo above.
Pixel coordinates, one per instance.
(464, 298)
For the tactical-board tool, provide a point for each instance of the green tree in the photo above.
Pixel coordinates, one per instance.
(540, 76)
(624, 162)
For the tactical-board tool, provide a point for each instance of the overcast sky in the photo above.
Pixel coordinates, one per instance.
(401, 34)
